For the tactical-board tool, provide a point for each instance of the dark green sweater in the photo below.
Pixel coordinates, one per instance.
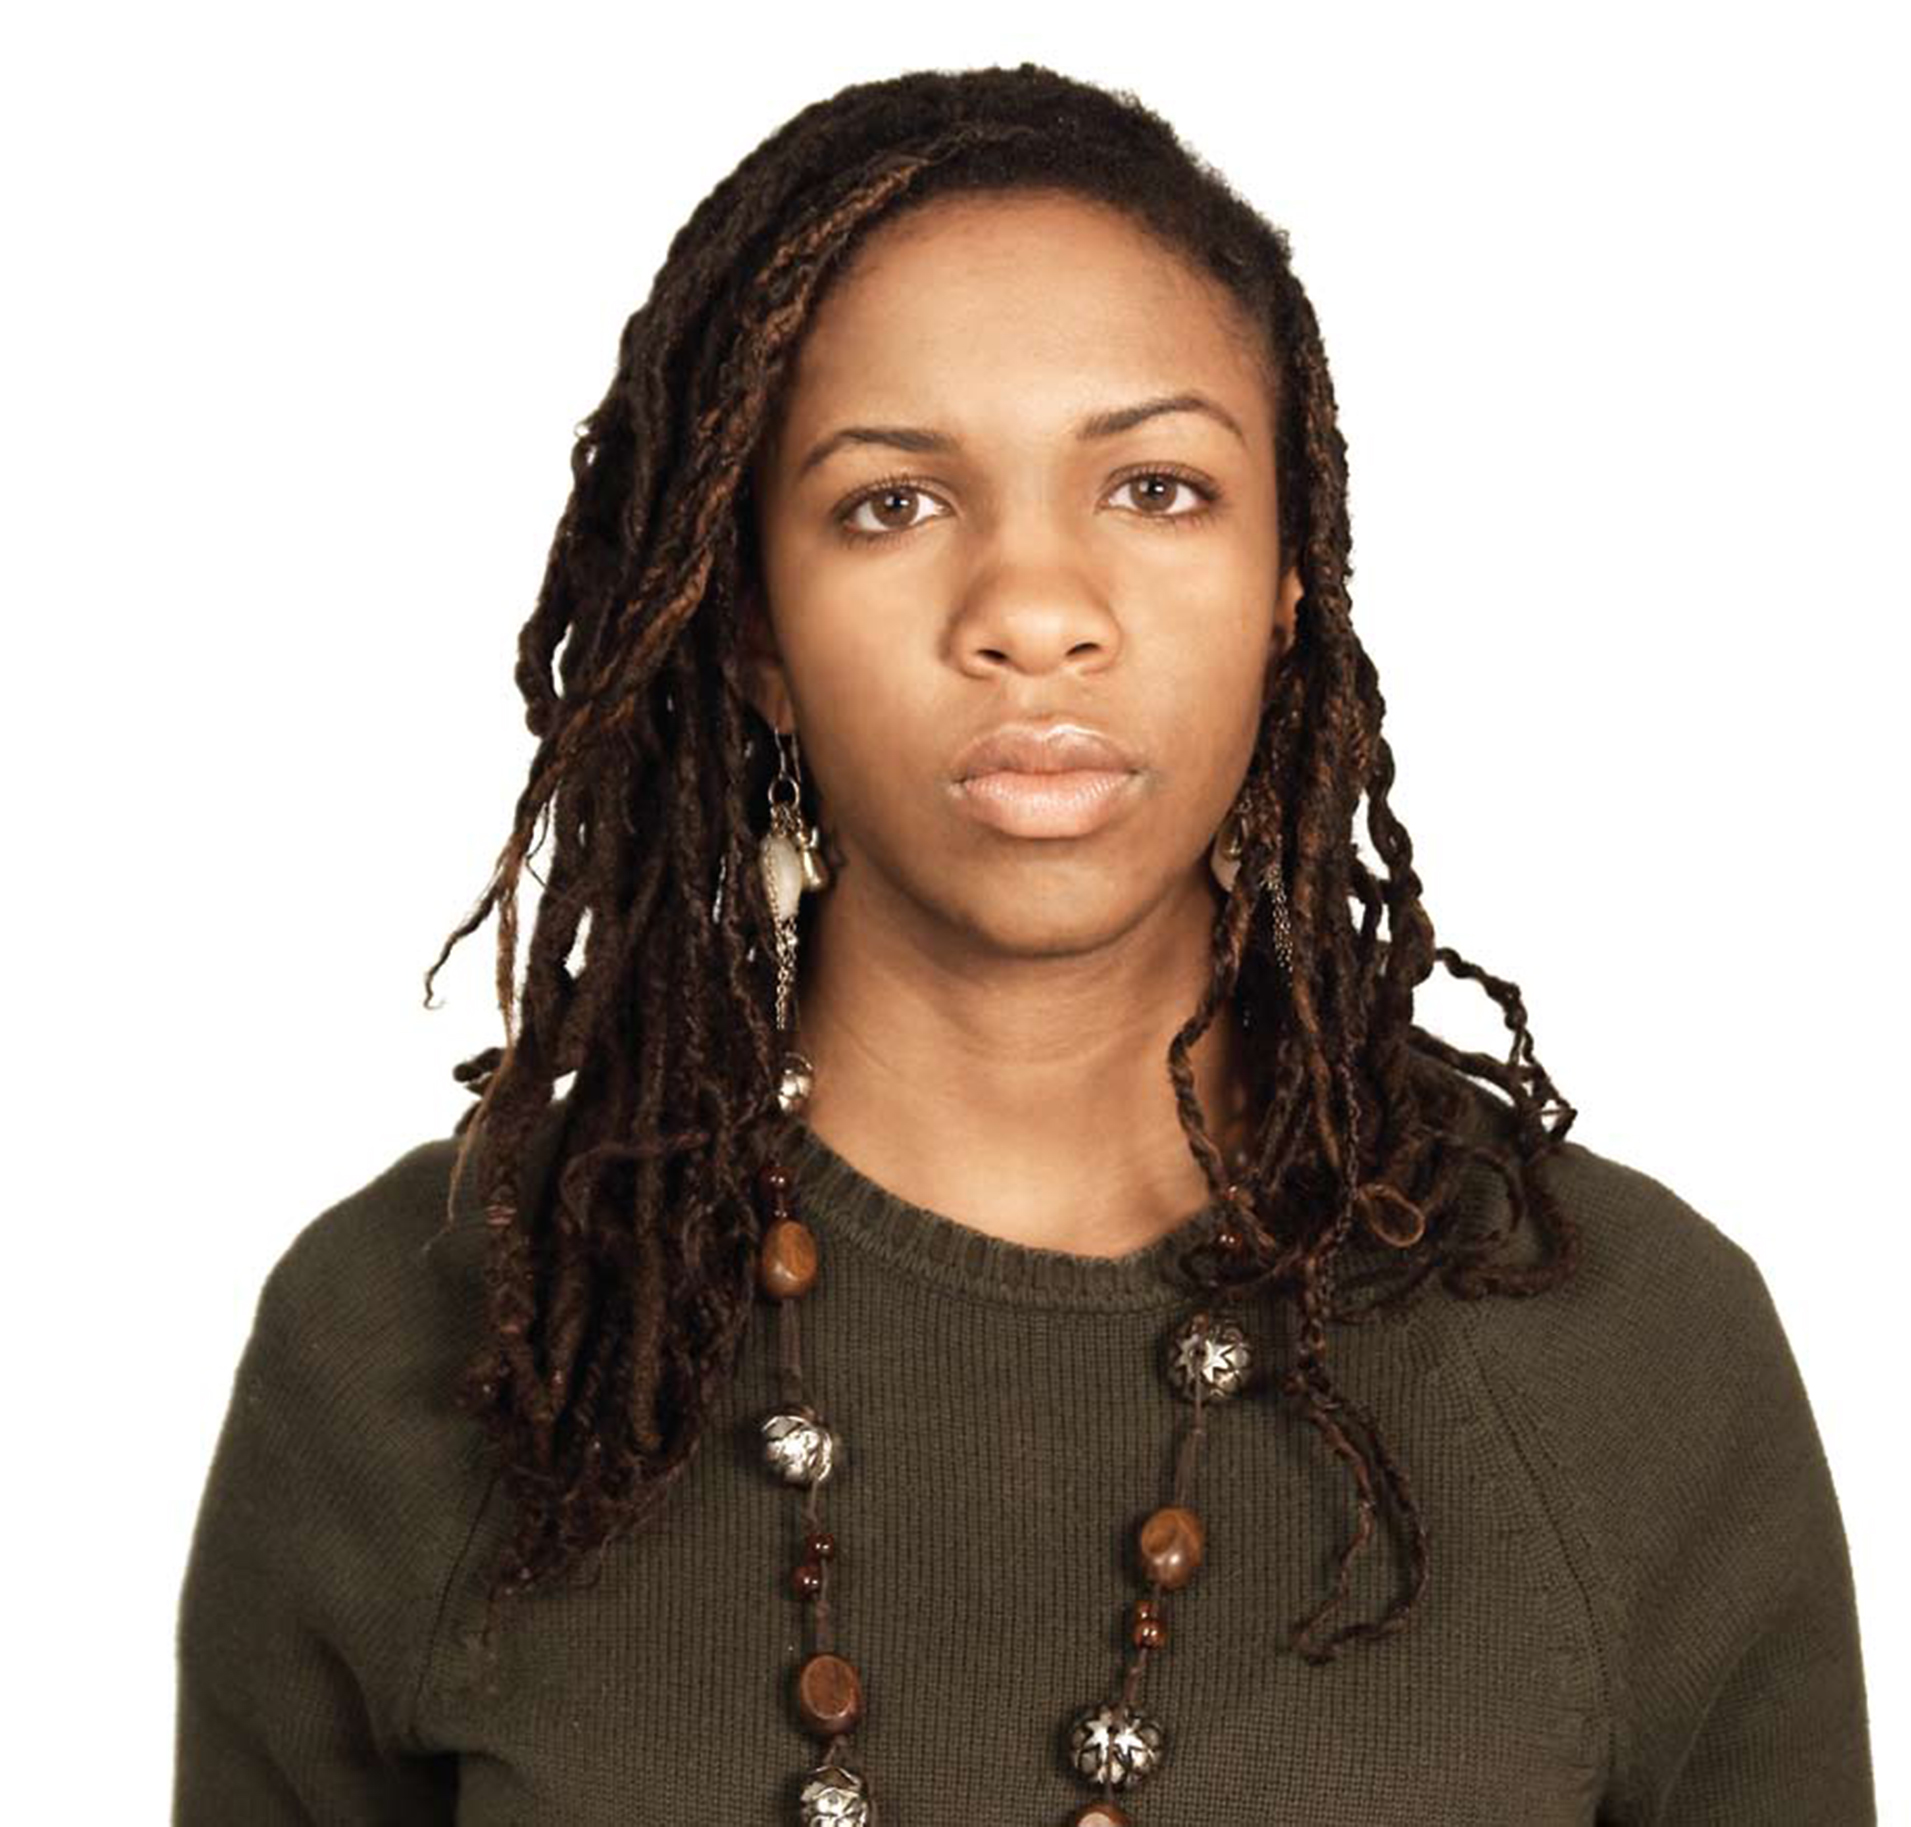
(1639, 1608)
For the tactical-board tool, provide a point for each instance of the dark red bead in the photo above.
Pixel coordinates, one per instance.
(773, 1182)
(820, 1546)
(808, 1580)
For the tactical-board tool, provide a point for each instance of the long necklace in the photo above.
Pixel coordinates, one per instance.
(1112, 1744)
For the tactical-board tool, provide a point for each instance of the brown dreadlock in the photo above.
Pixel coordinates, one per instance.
(618, 1288)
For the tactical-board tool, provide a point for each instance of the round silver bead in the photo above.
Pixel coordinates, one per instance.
(1116, 1746)
(795, 1082)
(798, 1448)
(836, 1796)
(1209, 1354)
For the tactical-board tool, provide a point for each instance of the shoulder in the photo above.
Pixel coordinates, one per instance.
(344, 1483)
(1655, 1400)
(1653, 1354)
(389, 1264)
(348, 1482)
(1658, 1286)
(383, 1288)
(344, 1423)
(348, 1385)
(1653, 1391)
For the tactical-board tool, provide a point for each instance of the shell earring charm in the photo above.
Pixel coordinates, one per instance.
(1224, 854)
(791, 856)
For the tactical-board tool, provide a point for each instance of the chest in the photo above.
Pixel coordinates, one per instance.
(982, 1590)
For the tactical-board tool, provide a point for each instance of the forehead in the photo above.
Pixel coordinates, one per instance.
(1017, 309)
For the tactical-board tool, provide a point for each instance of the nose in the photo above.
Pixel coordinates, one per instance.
(1033, 605)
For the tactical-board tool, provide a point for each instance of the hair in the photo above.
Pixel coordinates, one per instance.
(618, 1287)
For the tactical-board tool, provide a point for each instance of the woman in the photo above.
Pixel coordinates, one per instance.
(874, 1388)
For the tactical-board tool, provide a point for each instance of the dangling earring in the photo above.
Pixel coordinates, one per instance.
(1224, 858)
(1224, 854)
(791, 858)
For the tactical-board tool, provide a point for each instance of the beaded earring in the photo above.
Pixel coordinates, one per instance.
(791, 858)
(1224, 858)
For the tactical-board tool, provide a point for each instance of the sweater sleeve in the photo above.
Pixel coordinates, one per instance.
(325, 1534)
(1657, 1395)
(1773, 1730)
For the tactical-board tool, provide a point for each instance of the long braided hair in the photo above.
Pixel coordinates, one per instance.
(618, 1286)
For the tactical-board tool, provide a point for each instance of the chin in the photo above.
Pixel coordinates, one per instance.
(1050, 910)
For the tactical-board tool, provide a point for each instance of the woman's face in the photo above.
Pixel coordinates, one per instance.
(944, 551)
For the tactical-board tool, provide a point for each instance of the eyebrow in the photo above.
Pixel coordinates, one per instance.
(1097, 425)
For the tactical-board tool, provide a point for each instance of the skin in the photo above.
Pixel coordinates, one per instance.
(988, 1014)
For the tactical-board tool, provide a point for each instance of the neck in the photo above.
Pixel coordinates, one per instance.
(1027, 1097)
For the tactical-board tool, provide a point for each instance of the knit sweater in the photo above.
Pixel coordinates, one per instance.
(1639, 1605)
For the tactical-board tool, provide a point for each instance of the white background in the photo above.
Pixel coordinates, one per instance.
(304, 307)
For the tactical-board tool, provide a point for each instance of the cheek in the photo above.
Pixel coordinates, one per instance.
(875, 740)
(1207, 723)
(1213, 694)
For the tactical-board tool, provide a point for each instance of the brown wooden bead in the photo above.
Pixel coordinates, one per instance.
(808, 1580)
(829, 1695)
(786, 1266)
(1147, 1608)
(1171, 1542)
(1100, 1814)
(820, 1545)
(1150, 1633)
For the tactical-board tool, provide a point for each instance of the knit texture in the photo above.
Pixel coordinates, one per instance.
(1639, 1609)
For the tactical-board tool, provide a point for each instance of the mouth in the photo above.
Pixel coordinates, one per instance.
(1070, 803)
(1035, 747)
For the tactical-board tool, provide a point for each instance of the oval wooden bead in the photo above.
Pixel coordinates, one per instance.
(1171, 1543)
(829, 1695)
(786, 1266)
(1100, 1814)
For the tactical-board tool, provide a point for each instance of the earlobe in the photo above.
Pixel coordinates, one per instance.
(764, 679)
(1286, 611)
(770, 693)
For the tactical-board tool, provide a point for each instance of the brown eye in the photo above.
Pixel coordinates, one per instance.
(1160, 487)
(890, 509)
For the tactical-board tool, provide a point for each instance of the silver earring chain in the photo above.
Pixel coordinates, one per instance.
(786, 822)
(1277, 895)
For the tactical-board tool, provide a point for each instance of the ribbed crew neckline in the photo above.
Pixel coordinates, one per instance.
(838, 1200)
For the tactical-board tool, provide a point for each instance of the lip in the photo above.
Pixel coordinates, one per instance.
(1055, 747)
(1069, 803)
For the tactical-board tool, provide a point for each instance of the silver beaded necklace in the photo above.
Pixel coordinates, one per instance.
(1112, 1743)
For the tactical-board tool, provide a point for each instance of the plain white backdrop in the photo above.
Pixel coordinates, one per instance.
(306, 304)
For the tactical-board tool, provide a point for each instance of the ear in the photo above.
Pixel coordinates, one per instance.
(766, 683)
(1286, 609)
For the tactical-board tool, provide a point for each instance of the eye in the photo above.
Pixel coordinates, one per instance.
(1173, 480)
(880, 496)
